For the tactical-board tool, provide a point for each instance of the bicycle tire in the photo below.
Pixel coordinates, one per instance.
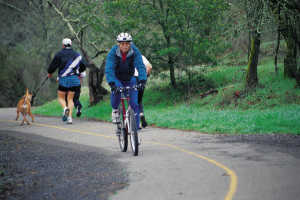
(133, 133)
(123, 133)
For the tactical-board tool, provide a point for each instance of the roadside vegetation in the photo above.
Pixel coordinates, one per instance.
(211, 100)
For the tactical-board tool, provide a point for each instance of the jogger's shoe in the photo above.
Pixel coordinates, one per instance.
(78, 113)
(65, 114)
(69, 120)
(143, 120)
(115, 117)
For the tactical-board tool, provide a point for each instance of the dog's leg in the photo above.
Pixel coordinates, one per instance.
(17, 116)
(27, 110)
(31, 115)
(25, 119)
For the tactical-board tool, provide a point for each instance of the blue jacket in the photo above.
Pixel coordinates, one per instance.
(115, 68)
(68, 62)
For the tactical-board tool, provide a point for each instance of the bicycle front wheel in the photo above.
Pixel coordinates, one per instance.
(133, 133)
(122, 132)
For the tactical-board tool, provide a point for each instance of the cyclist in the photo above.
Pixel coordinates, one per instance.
(121, 62)
(141, 92)
(69, 63)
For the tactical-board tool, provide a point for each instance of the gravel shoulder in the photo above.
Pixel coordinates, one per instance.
(39, 168)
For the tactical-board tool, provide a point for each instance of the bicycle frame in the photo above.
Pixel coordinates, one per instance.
(127, 125)
(124, 110)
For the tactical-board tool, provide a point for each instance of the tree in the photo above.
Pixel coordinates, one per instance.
(258, 21)
(25, 34)
(256, 16)
(287, 14)
(171, 32)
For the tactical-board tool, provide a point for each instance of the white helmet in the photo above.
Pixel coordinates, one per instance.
(124, 37)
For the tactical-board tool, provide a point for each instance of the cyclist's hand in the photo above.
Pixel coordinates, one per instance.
(141, 86)
(116, 90)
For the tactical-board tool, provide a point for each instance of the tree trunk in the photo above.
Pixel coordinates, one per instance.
(96, 91)
(276, 52)
(290, 60)
(172, 72)
(251, 77)
(288, 21)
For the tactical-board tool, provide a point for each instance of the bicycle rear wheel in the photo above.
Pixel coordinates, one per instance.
(122, 132)
(133, 133)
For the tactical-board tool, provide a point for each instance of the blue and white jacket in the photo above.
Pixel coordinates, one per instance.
(68, 62)
(115, 68)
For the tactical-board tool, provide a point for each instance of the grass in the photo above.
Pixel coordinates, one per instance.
(272, 107)
(279, 120)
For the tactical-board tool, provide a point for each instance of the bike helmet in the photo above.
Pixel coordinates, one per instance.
(124, 37)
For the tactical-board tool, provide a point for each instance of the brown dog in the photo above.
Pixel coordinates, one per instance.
(24, 107)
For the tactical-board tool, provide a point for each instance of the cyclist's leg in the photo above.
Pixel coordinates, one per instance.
(133, 101)
(140, 98)
(116, 98)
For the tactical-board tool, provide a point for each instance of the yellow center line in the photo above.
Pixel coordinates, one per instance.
(231, 173)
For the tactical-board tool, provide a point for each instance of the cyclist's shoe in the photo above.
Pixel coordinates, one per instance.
(69, 120)
(115, 117)
(78, 113)
(143, 120)
(65, 114)
(140, 128)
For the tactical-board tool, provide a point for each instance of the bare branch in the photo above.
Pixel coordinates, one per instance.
(12, 6)
(99, 52)
(82, 28)
(65, 20)
(74, 20)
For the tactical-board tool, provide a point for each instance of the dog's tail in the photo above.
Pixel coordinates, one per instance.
(26, 97)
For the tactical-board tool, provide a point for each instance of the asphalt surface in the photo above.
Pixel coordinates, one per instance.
(39, 169)
(52, 160)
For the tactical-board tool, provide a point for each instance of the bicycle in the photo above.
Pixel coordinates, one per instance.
(127, 123)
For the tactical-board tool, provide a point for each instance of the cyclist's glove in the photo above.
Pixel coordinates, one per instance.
(114, 88)
(117, 90)
(142, 85)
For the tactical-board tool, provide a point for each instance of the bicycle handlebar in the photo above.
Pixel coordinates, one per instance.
(121, 89)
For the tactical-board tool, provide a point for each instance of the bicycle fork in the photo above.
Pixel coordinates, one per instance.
(129, 125)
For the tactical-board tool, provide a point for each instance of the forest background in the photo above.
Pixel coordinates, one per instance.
(176, 36)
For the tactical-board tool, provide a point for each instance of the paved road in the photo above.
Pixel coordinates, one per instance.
(175, 164)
